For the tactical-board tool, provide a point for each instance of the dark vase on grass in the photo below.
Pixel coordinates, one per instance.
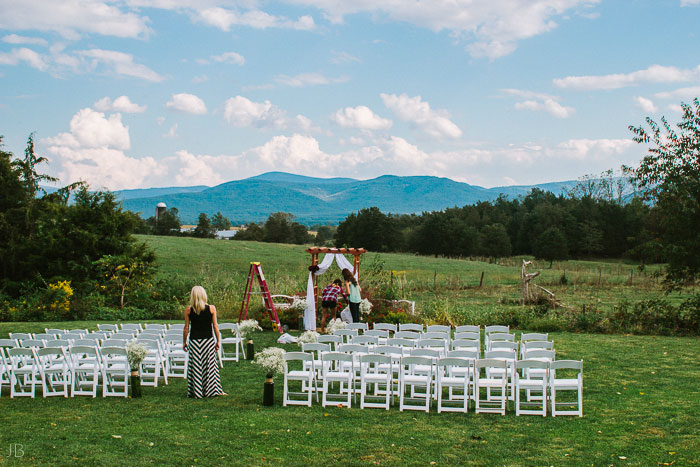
(269, 391)
(135, 384)
(249, 349)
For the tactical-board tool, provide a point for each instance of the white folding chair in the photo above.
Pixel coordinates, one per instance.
(534, 336)
(466, 344)
(111, 328)
(45, 336)
(381, 334)
(317, 350)
(557, 383)
(161, 328)
(18, 337)
(468, 328)
(385, 327)
(337, 367)
(230, 336)
(24, 371)
(358, 326)
(378, 371)
(498, 337)
(54, 371)
(177, 326)
(509, 357)
(439, 328)
(409, 378)
(488, 330)
(330, 339)
(152, 367)
(467, 335)
(177, 358)
(490, 374)
(370, 341)
(55, 332)
(115, 372)
(4, 362)
(306, 377)
(346, 334)
(531, 375)
(456, 383)
(85, 370)
(411, 327)
(527, 346)
(136, 327)
(407, 334)
(406, 344)
(31, 344)
(471, 356)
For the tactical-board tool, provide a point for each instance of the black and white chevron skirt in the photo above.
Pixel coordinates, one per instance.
(203, 378)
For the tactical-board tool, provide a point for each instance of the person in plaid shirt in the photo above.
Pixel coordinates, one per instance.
(329, 301)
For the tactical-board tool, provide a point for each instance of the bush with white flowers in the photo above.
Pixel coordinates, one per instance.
(335, 324)
(247, 327)
(365, 306)
(135, 353)
(309, 337)
(271, 359)
(298, 304)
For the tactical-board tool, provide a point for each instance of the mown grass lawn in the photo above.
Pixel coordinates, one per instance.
(641, 407)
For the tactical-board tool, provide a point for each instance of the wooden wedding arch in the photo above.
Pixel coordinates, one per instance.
(314, 252)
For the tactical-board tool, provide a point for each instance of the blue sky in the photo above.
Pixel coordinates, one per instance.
(144, 93)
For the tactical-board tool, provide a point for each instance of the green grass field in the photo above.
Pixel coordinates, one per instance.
(222, 267)
(641, 393)
(640, 408)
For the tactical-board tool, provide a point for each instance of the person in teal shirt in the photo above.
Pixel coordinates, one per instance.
(353, 293)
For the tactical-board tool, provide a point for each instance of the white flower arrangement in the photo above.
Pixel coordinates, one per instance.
(335, 324)
(298, 304)
(247, 327)
(271, 359)
(365, 306)
(309, 337)
(135, 353)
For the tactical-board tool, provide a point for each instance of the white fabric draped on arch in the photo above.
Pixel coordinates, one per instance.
(327, 262)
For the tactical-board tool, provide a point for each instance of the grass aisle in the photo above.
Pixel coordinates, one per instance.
(640, 408)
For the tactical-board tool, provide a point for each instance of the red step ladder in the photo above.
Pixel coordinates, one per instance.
(256, 271)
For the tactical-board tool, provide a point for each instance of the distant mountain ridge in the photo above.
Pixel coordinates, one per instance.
(320, 200)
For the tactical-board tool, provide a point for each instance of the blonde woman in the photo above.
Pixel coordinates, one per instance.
(203, 379)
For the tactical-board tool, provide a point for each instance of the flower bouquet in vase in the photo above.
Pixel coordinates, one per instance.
(246, 328)
(135, 353)
(272, 361)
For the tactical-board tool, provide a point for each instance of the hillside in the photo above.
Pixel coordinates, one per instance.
(320, 200)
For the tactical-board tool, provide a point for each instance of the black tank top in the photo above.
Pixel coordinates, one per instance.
(200, 324)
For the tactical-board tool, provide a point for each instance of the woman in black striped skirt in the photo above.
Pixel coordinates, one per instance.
(203, 378)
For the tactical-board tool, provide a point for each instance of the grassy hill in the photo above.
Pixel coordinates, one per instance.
(318, 200)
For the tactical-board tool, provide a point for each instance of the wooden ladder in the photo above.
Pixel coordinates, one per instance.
(255, 271)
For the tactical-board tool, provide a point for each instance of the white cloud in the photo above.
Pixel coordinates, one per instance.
(223, 19)
(120, 63)
(675, 108)
(492, 29)
(120, 104)
(415, 110)
(70, 18)
(308, 79)
(343, 57)
(360, 117)
(647, 105)
(653, 74)
(172, 132)
(188, 103)
(682, 93)
(15, 39)
(93, 151)
(592, 148)
(200, 79)
(229, 57)
(203, 169)
(242, 112)
(690, 2)
(539, 102)
(25, 55)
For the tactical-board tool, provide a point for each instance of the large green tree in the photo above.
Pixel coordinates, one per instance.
(670, 176)
(44, 237)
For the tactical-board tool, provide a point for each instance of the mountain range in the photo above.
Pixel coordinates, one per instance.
(319, 200)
